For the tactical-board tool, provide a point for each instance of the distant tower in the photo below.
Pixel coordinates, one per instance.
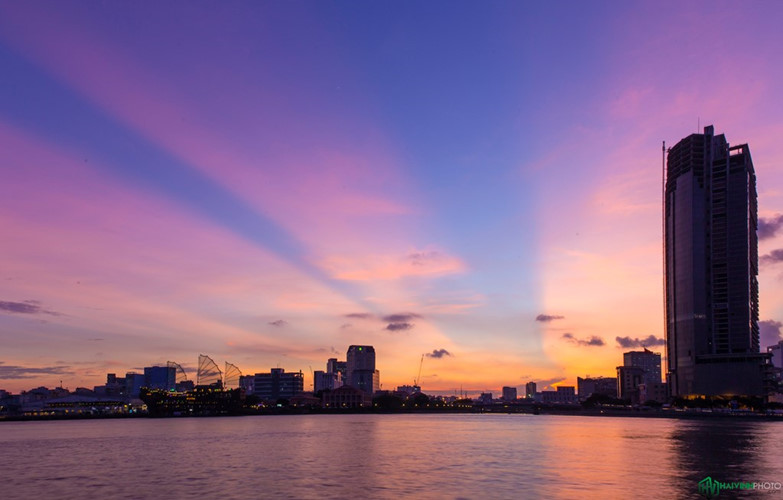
(360, 369)
(711, 255)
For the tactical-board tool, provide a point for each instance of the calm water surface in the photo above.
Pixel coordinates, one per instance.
(385, 456)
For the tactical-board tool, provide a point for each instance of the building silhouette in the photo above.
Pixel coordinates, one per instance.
(648, 361)
(334, 366)
(565, 394)
(711, 264)
(360, 369)
(330, 379)
(277, 384)
(629, 378)
(605, 386)
(160, 377)
(326, 381)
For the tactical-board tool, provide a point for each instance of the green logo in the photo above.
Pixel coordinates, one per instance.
(709, 488)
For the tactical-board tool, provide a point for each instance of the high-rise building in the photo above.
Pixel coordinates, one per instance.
(648, 361)
(530, 390)
(711, 247)
(134, 382)
(509, 393)
(160, 377)
(776, 376)
(360, 369)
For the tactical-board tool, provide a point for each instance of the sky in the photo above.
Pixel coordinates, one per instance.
(268, 183)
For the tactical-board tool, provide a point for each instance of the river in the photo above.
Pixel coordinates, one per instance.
(387, 456)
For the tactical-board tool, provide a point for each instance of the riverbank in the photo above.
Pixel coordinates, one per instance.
(669, 413)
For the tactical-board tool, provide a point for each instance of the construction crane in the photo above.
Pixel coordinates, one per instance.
(418, 379)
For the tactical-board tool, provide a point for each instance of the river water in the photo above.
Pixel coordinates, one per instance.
(386, 456)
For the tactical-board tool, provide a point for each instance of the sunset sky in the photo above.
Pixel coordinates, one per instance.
(270, 182)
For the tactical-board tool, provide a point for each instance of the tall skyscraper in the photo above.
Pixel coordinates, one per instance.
(711, 245)
(360, 369)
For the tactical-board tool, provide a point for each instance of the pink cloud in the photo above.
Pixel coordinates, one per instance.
(126, 262)
(328, 191)
(420, 263)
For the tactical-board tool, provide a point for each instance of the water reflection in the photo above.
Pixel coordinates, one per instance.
(383, 456)
(725, 450)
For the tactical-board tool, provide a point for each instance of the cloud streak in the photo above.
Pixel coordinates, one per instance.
(627, 342)
(26, 307)
(546, 318)
(400, 321)
(396, 318)
(372, 267)
(593, 341)
(360, 316)
(278, 323)
(13, 372)
(769, 226)
(438, 353)
(773, 257)
(399, 327)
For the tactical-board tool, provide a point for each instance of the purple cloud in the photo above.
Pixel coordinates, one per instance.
(627, 342)
(773, 257)
(20, 372)
(360, 315)
(399, 326)
(401, 317)
(26, 307)
(593, 341)
(769, 333)
(769, 227)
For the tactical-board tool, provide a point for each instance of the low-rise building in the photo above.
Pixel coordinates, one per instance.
(629, 378)
(586, 387)
(485, 398)
(345, 397)
(326, 381)
(565, 394)
(658, 393)
(277, 384)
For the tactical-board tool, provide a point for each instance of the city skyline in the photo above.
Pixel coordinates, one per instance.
(270, 183)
